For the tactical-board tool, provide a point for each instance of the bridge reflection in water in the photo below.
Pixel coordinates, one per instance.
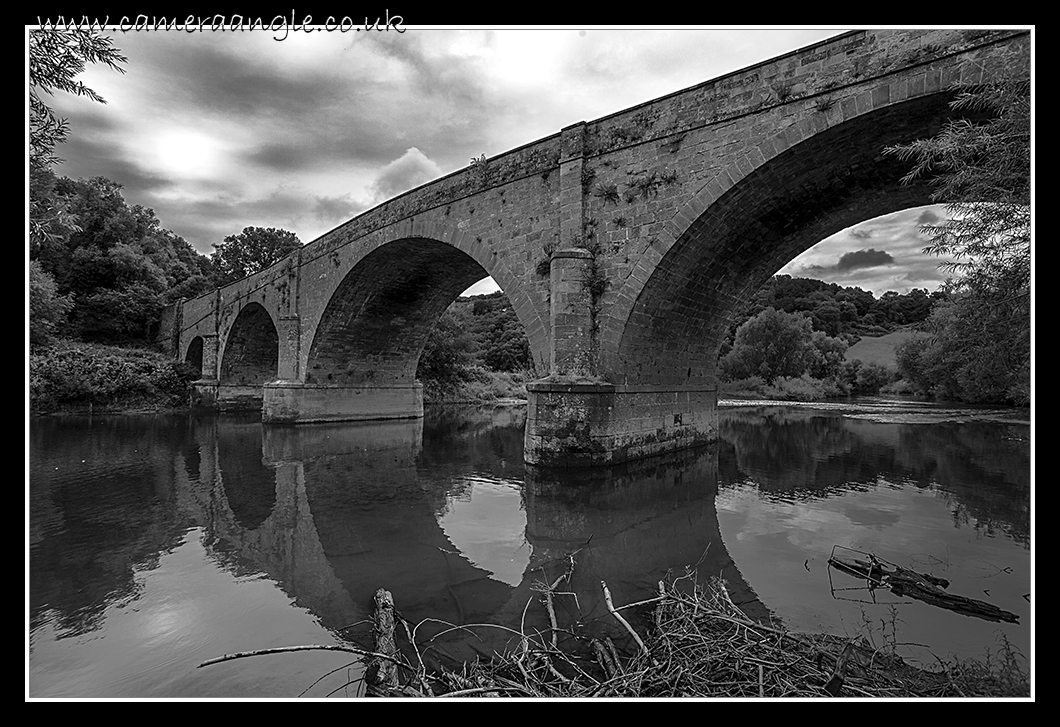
(160, 541)
(350, 508)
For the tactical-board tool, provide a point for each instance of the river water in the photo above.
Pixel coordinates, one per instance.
(157, 542)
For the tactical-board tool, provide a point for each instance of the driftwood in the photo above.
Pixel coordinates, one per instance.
(835, 683)
(380, 673)
(903, 582)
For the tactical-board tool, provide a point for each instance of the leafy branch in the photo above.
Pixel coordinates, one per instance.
(56, 58)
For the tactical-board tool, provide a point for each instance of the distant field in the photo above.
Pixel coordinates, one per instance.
(879, 349)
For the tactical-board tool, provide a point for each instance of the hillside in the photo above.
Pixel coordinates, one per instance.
(880, 349)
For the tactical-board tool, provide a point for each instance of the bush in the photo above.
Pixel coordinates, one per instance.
(872, 377)
(784, 388)
(901, 387)
(80, 375)
(802, 388)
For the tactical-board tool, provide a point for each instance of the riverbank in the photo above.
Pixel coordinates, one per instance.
(70, 376)
(697, 644)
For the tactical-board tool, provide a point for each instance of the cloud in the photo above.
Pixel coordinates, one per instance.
(860, 234)
(927, 217)
(840, 259)
(412, 169)
(336, 210)
(88, 157)
(863, 259)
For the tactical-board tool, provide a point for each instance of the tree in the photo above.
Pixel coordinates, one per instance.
(981, 172)
(448, 356)
(771, 344)
(828, 356)
(56, 57)
(500, 338)
(980, 168)
(116, 269)
(252, 250)
(47, 309)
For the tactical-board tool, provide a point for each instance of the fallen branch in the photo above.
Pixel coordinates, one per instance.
(835, 682)
(303, 647)
(624, 622)
(925, 587)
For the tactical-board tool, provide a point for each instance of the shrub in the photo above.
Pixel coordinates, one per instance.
(79, 375)
(872, 377)
(801, 388)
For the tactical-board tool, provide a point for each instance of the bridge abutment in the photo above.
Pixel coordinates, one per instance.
(292, 402)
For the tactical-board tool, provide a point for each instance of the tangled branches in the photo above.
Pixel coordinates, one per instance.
(700, 644)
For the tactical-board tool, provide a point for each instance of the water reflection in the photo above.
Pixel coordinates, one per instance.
(947, 498)
(86, 535)
(982, 467)
(444, 514)
(384, 515)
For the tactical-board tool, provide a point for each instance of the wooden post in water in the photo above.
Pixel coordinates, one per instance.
(381, 674)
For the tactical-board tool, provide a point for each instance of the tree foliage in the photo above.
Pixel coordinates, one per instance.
(474, 335)
(847, 312)
(56, 57)
(449, 356)
(775, 344)
(981, 169)
(114, 270)
(501, 340)
(252, 250)
(47, 309)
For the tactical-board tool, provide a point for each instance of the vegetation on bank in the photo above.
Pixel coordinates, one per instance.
(690, 640)
(70, 375)
(476, 352)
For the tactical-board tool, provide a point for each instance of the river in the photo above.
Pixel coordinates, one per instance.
(156, 542)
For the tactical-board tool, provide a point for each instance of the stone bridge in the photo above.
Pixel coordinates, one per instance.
(625, 245)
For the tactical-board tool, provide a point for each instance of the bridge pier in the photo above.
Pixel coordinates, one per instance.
(594, 424)
(204, 393)
(292, 402)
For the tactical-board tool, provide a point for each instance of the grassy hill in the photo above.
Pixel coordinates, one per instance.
(880, 349)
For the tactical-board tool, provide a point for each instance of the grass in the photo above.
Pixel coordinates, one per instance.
(880, 349)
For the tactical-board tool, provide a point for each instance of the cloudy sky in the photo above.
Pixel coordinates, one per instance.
(216, 131)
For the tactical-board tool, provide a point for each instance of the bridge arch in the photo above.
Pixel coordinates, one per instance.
(194, 354)
(760, 212)
(377, 320)
(251, 351)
